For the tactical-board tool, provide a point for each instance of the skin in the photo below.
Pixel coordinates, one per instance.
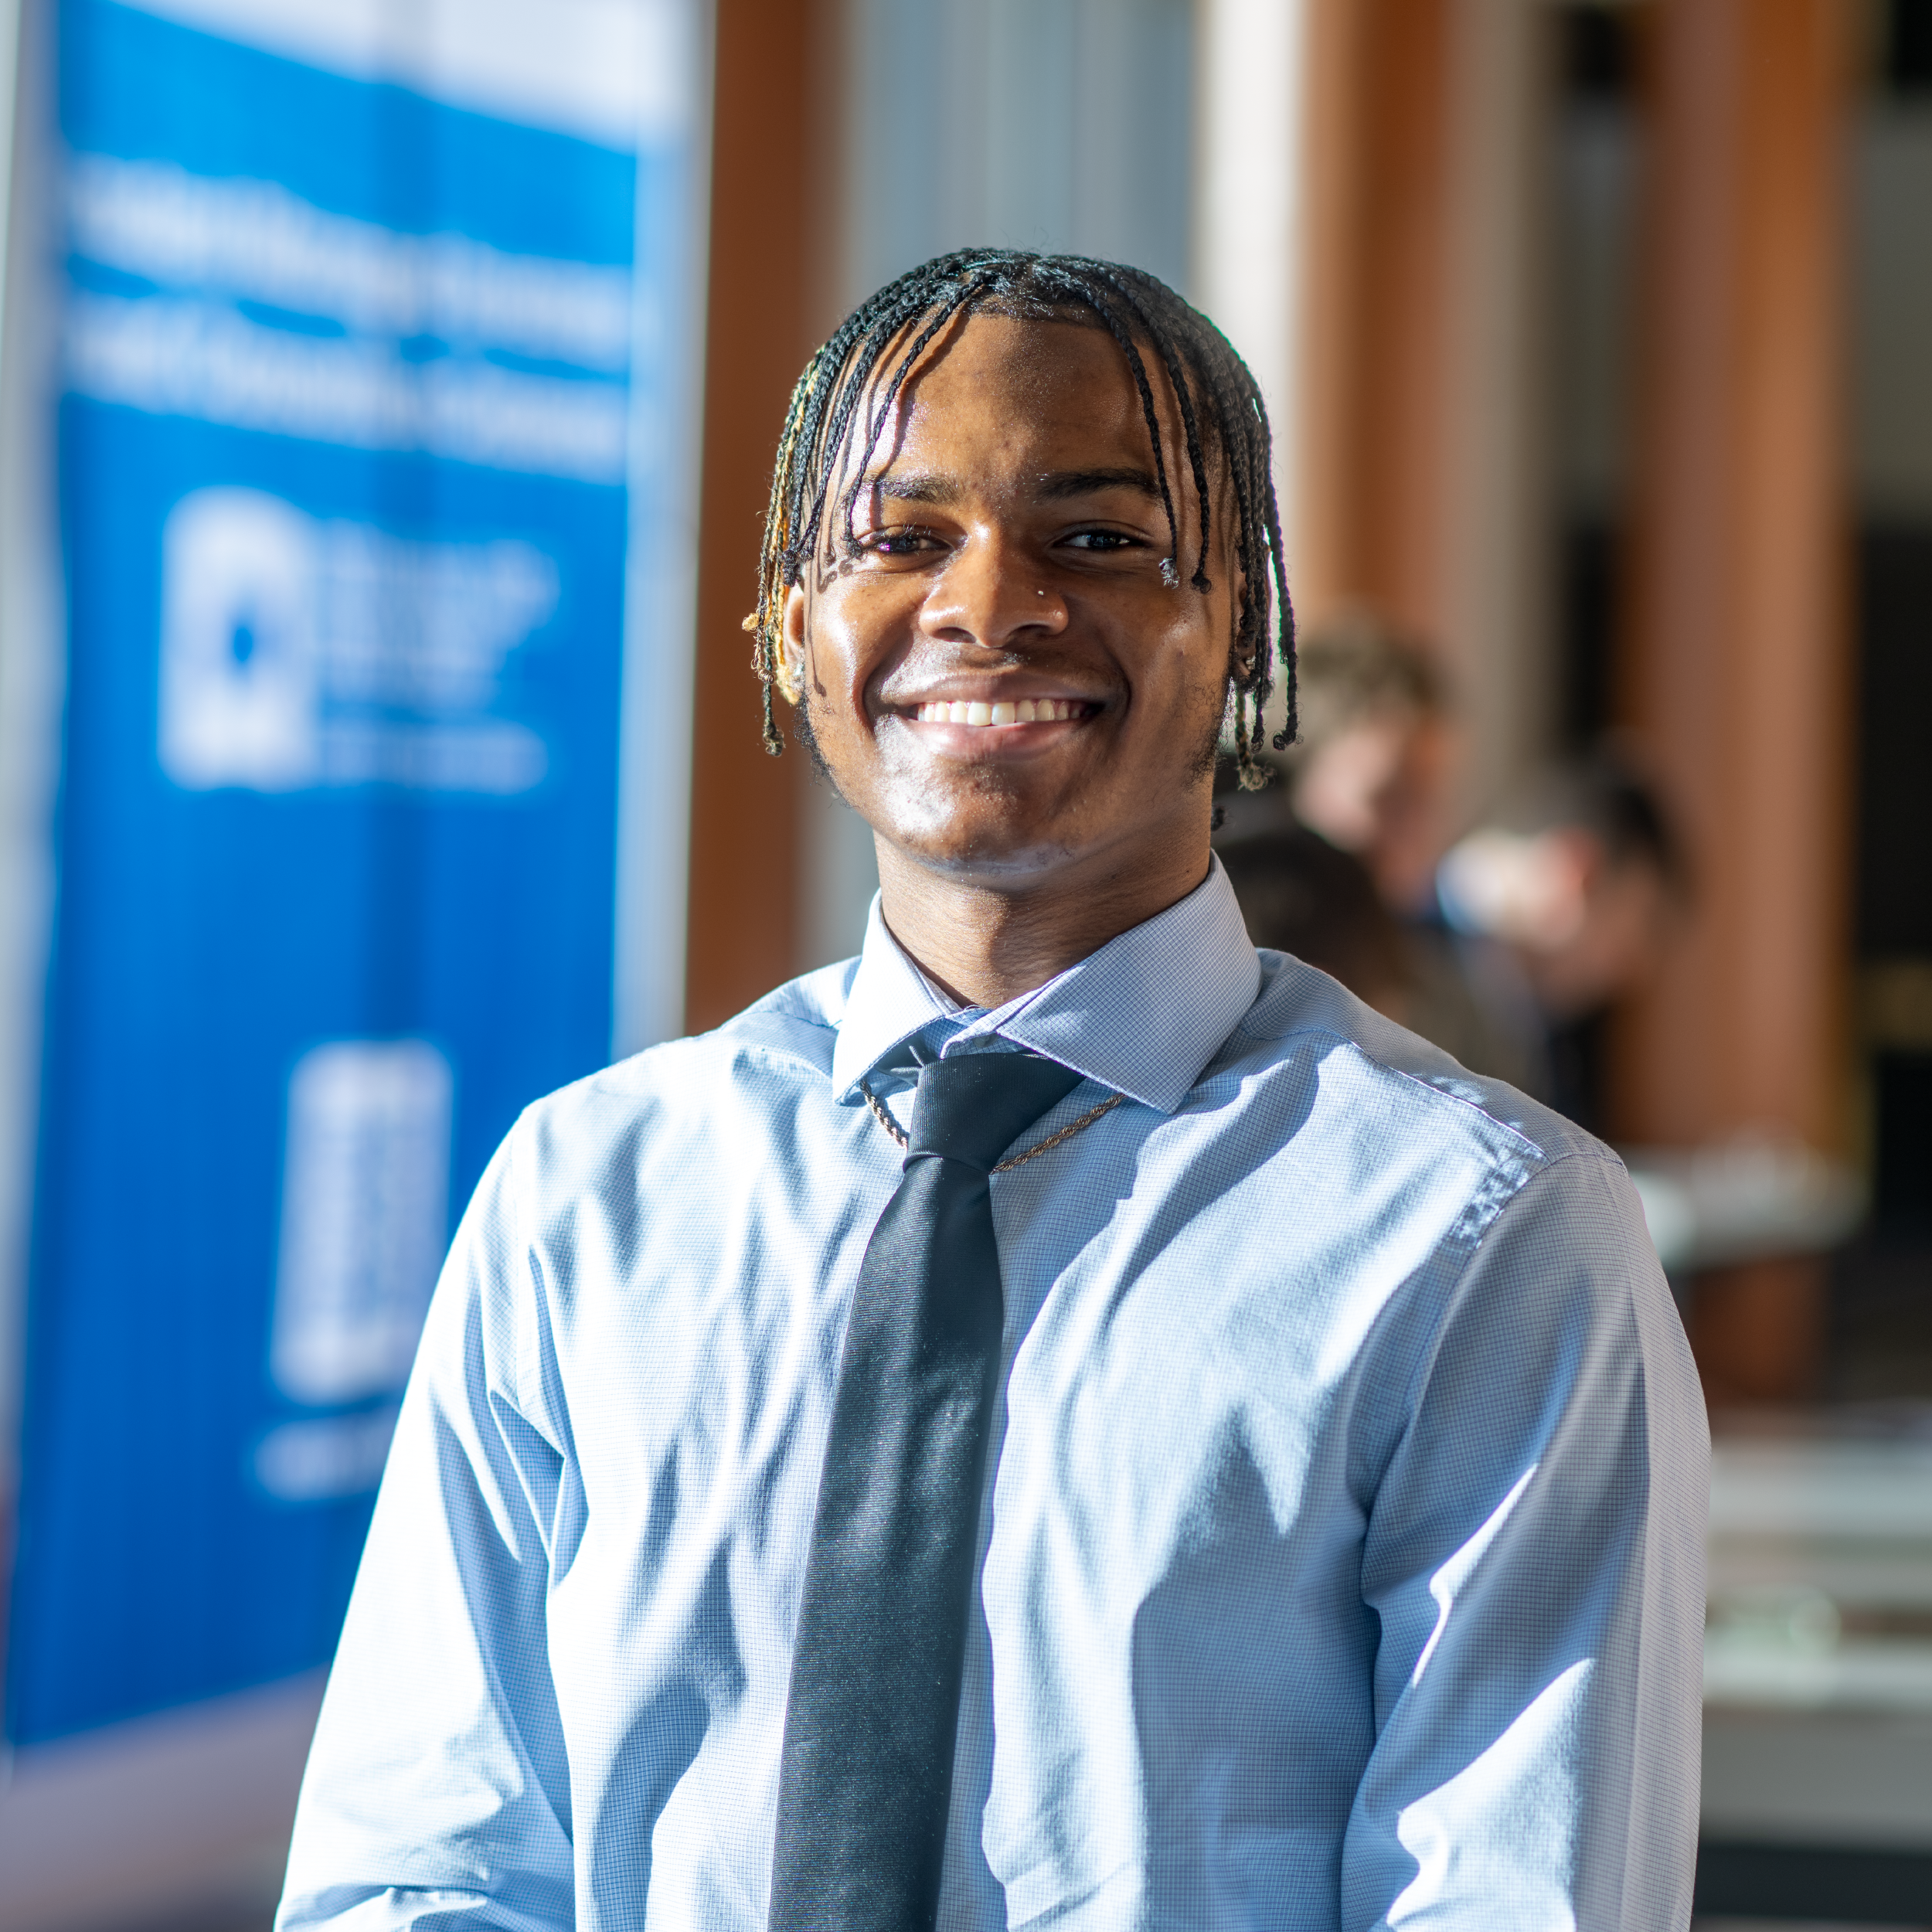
(1379, 789)
(1009, 545)
(1612, 942)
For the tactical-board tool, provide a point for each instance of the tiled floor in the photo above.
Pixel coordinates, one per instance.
(1821, 1566)
(1818, 1656)
(1791, 1925)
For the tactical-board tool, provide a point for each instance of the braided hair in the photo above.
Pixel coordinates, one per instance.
(1211, 384)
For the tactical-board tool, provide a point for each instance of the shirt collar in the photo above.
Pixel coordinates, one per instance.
(1143, 1016)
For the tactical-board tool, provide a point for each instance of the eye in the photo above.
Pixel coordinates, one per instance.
(903, 540)
(1102, 541)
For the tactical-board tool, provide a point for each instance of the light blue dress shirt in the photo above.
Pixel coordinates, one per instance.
(1343, 1536)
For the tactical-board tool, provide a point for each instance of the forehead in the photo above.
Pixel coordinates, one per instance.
(996, 385)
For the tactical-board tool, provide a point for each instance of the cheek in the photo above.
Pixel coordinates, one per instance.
(850, 639)
(831, 653)
(1180, 660)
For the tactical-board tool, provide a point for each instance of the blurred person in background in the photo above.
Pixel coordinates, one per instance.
(1511, 947)
(1373, 764)
(1060, 1418)
(1562, 904)
(1371, 776)
(1300, 895)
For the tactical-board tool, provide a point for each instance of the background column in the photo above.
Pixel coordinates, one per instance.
(1735, 671)
(770, 231)
(1368, 524)
(1422, 414)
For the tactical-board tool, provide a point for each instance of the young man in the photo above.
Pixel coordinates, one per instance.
(1059, 1421)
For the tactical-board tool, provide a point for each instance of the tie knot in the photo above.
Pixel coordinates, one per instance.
(973, 1107)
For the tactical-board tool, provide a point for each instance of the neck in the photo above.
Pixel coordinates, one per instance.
(985, 943)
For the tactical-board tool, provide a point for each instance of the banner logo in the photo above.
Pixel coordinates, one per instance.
(297, 652)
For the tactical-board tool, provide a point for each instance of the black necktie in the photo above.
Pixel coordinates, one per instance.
(866, 1774)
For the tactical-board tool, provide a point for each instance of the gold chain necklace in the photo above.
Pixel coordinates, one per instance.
(1046, 1146)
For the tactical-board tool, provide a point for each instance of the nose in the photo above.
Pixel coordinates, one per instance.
(993, 594)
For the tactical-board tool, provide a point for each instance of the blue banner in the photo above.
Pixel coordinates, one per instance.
(353, 369)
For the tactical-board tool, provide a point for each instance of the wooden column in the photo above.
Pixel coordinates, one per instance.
(1421, 472)
(1369, 504)
(1735, 671)
(771, 230)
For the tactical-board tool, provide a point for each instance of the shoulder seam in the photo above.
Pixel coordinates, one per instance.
(1471, 1253)
(1541, 1153)
(770, 1052)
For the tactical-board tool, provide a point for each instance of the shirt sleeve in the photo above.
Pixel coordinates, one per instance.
(437, 1793)
(1534, 1555)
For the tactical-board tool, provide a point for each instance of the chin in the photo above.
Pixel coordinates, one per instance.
(978, 849)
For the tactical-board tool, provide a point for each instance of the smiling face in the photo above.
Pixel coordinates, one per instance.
(1000, 676)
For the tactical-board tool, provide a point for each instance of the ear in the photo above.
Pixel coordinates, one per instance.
(790, 667)
(1240, 664)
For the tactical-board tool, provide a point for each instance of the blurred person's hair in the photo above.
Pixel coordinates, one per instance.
(1604, 794)
(1301, 895)
(835, 406)
(1355, 666)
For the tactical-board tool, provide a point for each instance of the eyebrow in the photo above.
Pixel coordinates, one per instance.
(1062, 483)
(934, 487)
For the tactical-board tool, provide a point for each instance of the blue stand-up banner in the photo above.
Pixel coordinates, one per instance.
(356, 342)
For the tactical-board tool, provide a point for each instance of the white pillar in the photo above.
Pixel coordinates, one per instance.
(1248, 172)
(660, 572)
(9, 88)
(32, 667)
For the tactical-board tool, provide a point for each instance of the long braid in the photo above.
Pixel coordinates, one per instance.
(1212, 387)
(1190, 427)
(1123, 337)
(940, 317)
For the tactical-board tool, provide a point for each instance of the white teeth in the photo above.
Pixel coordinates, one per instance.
(982, 711)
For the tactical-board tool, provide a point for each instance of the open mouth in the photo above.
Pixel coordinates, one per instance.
(1006, 712)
